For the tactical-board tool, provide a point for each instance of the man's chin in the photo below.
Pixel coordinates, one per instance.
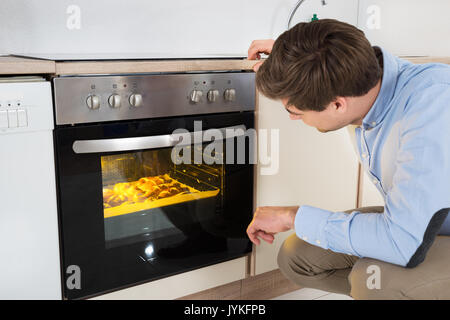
(329, 130)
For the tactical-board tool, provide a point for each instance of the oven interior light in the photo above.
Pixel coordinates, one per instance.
(149, 250)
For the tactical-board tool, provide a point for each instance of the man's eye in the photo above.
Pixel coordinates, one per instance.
(294, 113)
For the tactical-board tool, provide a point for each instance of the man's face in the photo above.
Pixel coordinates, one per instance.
(324, 121)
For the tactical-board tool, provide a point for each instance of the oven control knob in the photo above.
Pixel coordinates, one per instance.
(114, 101)
(93, 102)
(196, 96)
(136, 100)
(229, 94)
(212, 95)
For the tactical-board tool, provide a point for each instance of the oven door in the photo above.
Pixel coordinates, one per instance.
(133, 208)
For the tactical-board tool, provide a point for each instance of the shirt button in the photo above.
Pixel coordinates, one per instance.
(374, 123)
(375, 181)
(318, 241)
(305, 238)
(364, 155)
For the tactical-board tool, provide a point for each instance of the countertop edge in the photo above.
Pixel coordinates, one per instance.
(10, 65)
(431, 59)
(147, 66)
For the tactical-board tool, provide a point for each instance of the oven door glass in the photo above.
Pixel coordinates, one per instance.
(146, 196)
(132, 216)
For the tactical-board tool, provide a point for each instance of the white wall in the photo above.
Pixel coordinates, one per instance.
(407, 27)
(170, 28)
(369, 194)
(179, 28)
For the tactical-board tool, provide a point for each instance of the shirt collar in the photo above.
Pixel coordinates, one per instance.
(381, 105)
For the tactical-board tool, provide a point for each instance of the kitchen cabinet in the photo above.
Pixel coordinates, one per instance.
(314, 168)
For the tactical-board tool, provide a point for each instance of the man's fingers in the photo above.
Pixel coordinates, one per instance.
(259, 46)
(267, 237)
(257, 65)
(251, 232)
(255, 52)
(254, 239)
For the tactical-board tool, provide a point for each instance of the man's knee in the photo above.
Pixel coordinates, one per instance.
(314, 267)
(295, 257)
(286, 255)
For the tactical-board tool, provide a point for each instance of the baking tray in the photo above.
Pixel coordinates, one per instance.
(127, 208)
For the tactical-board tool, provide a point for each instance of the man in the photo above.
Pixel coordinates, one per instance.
(327, 74)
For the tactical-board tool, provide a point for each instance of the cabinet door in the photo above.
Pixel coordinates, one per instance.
(314, 168)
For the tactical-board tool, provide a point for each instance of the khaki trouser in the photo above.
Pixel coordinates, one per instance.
(364, 278)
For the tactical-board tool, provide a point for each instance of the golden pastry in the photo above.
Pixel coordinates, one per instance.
(146, 189)
(163, 194)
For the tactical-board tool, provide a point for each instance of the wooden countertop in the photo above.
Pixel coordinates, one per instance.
(143, 66)
(445, 60)
(16, 65)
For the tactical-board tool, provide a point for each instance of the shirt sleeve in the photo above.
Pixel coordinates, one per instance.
(420, 189)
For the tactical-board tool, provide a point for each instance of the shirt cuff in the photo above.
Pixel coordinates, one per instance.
(310, 225)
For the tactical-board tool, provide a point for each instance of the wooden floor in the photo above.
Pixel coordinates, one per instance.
(261, 287)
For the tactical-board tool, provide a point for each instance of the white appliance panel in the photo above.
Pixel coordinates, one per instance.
(29, 243)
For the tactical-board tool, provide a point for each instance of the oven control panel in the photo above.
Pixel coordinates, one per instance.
(88, 99)
(229, 95)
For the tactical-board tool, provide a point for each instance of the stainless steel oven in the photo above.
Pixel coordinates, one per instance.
(154, 175)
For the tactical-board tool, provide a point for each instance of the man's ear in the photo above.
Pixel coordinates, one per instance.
(340, 104)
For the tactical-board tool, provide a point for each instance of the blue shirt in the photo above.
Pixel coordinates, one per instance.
(404, 146)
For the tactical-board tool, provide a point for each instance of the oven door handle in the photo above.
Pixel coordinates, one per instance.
(153, 142)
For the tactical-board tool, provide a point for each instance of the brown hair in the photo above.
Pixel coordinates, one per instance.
(313, 63)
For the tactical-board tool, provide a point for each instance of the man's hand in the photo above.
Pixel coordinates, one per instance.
(267, 221)
(256, 48)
